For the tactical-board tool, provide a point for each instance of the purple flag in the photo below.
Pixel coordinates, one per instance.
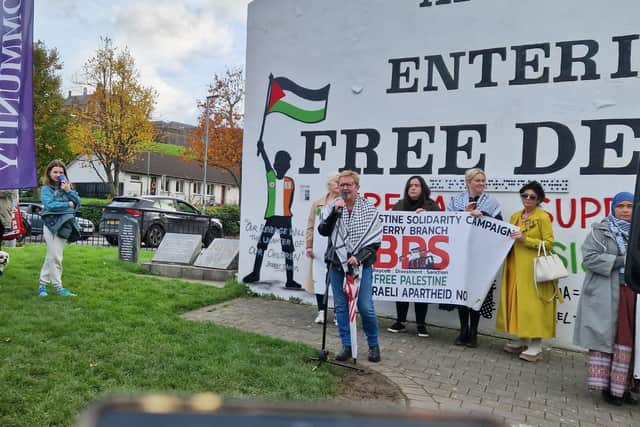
(17, 147)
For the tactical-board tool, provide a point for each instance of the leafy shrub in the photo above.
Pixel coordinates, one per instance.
(91, 209)
(229, 215)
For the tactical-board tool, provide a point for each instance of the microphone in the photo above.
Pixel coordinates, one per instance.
(343, 196)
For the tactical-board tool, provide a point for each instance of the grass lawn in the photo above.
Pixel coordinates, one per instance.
(123, 333)
(169, 149)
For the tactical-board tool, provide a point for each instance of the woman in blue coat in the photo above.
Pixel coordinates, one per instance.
(60, 203)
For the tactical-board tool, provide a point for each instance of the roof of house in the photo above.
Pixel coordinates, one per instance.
(77, 99)
(175, 167)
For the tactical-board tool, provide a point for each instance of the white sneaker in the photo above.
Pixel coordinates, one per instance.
(516, 346)
(534, 352)
(320, 317)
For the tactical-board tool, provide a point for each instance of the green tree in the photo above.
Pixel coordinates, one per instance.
(50, 120)
(224, 113)
(116, 125)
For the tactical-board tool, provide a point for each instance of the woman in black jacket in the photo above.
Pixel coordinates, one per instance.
(416, 199)
(355, 231)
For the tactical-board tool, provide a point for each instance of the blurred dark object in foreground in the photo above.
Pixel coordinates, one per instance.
(208, 409)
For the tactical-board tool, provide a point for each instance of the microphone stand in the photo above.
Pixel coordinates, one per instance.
(323, 355)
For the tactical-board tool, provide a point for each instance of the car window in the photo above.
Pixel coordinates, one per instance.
(166, 204)
(184, 207)
(122, 203)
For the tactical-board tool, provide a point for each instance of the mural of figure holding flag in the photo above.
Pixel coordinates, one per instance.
(277, 215)
(304, 105)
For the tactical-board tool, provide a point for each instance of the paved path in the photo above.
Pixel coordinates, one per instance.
(434, 374)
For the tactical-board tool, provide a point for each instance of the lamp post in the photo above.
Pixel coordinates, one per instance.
(206, 148)
(149, 171)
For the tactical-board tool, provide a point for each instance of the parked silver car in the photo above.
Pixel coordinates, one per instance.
(159, 215)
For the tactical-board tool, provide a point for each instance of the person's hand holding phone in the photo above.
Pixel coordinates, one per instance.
(472, 208)
(65, 185)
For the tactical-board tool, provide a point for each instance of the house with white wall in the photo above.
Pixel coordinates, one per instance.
(158, 174)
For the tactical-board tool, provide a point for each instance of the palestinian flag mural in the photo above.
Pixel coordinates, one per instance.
(297, 102)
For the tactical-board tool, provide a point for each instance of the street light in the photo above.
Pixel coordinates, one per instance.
(149, 171)
(206, 148)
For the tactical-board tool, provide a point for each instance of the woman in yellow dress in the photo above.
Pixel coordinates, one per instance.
(524, 311)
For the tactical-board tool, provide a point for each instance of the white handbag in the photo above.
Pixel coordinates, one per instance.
(547, 268)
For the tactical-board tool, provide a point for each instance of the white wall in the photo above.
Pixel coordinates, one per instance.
(355, 45)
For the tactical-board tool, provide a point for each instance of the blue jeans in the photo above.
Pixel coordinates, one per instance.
(365, 306)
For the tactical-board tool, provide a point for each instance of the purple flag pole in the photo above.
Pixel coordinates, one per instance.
(17, 146)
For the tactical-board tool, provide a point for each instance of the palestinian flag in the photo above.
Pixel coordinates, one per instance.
(297, 102)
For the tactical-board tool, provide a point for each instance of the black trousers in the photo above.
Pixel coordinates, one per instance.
(402, 308)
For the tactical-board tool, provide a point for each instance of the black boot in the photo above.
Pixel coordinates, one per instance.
(254, 276)
(629, 399)
(611, 399)
(251, 277)
(344, 354)
(463, 336)
(291, 284)
(374, 354)
(474, 317)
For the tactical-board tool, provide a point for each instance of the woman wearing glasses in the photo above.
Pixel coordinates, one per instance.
(527, 311)
(478, 203)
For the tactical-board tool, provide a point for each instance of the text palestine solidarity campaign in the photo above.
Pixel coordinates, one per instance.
(481, 222)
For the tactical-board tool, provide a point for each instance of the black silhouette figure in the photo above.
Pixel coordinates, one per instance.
(280, 190)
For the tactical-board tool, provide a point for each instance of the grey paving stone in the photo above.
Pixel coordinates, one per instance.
(436, 375)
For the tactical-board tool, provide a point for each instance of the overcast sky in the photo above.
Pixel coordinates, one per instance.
(178, 45)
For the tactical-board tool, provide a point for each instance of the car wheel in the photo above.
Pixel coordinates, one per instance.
(154, 236)
(211, 235)
(112, 240)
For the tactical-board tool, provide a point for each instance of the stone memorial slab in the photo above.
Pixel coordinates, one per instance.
(221, 254)
(128, 239)
(178, 248)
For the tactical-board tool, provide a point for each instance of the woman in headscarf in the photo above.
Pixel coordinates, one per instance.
(475, 201)
(606, 311)
(417, 198)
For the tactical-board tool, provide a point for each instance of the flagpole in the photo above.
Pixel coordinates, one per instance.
(266, 105)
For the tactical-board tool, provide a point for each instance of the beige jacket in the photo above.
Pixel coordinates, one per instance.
(6, 207)
(308, 237)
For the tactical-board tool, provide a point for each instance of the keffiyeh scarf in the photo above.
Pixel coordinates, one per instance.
(355, 230)
(485, 203)
(620, 230)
